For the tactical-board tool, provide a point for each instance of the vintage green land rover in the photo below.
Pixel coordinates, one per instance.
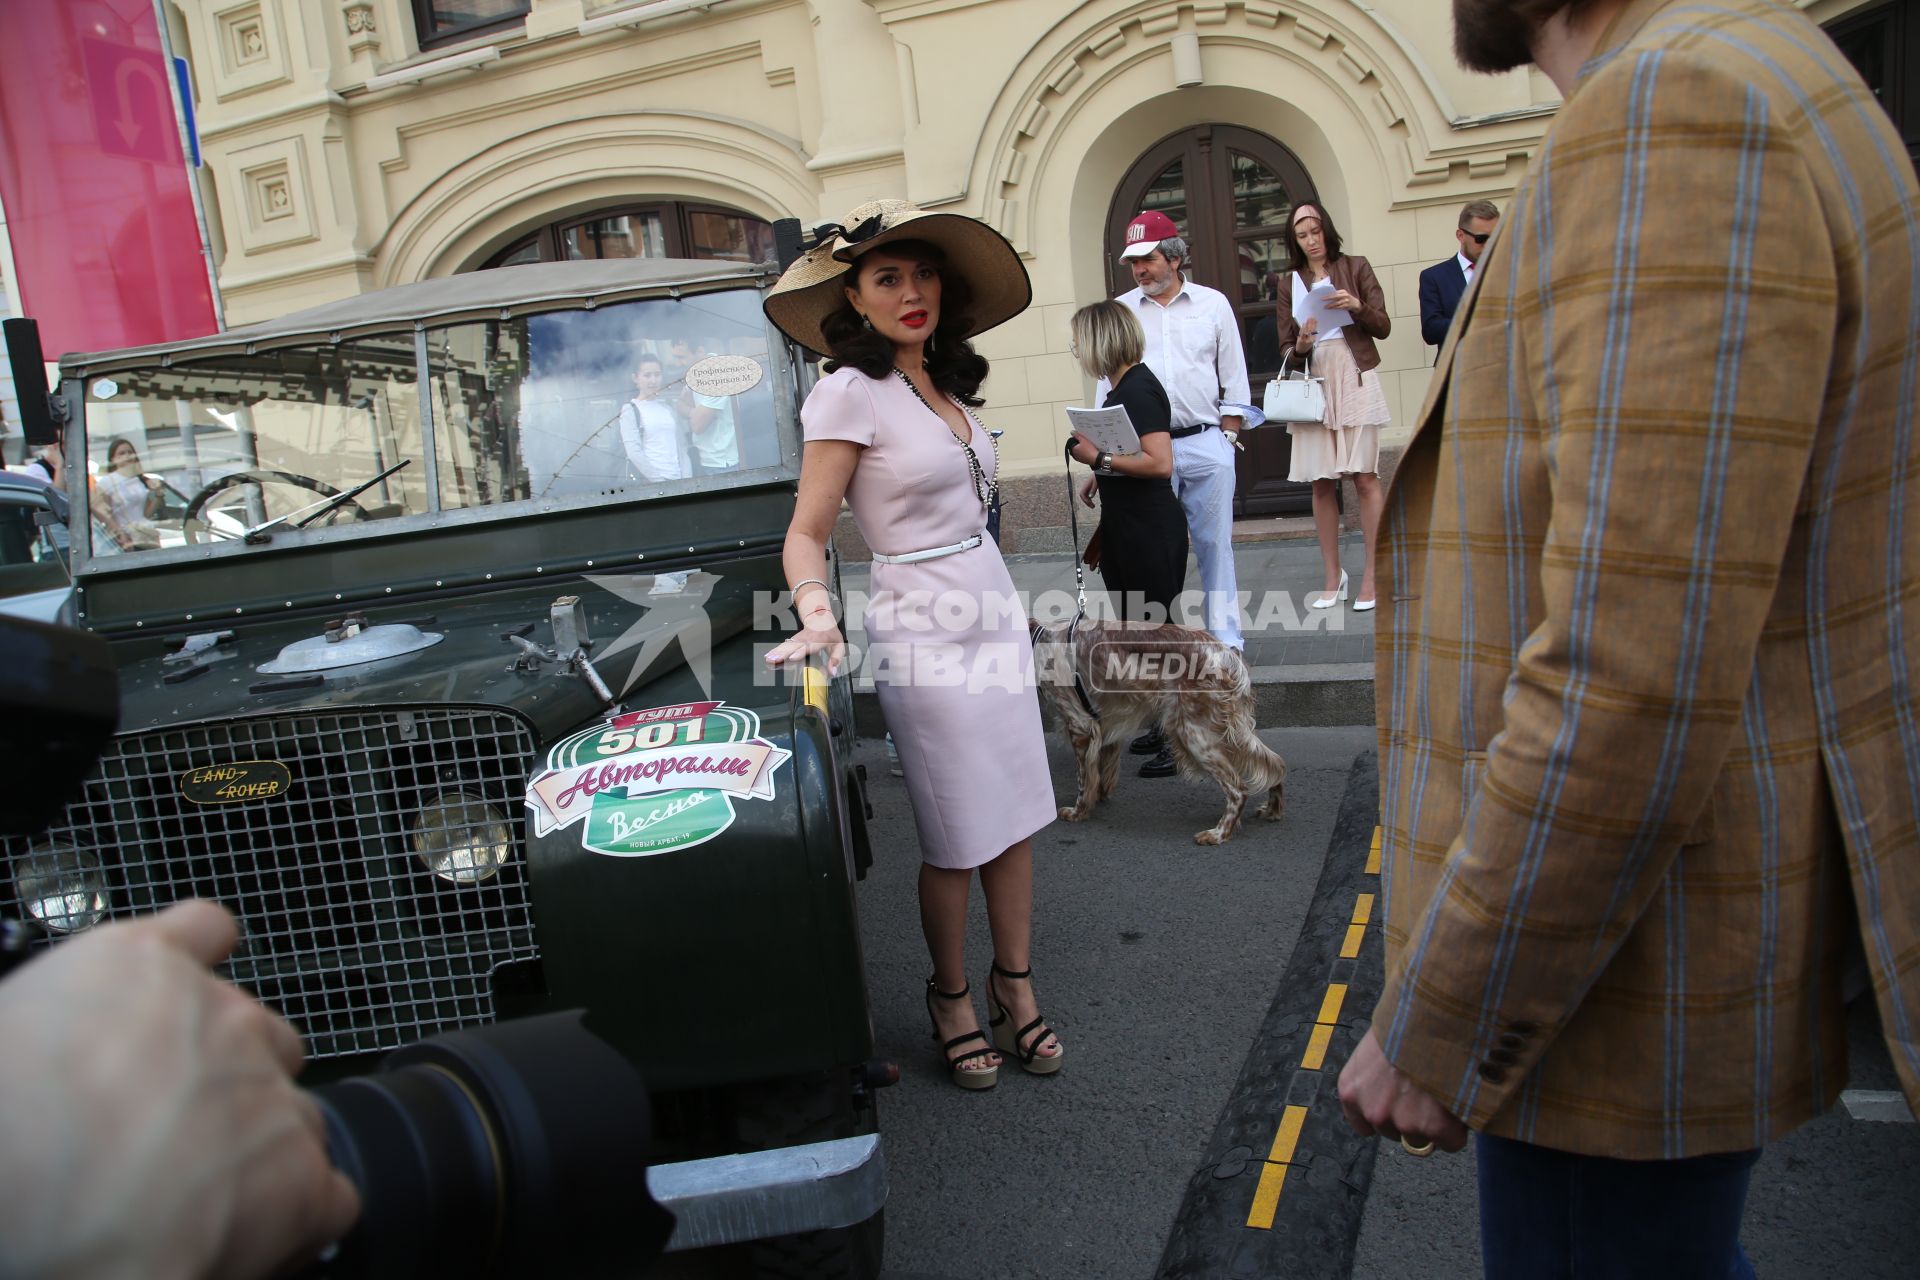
(437, 642)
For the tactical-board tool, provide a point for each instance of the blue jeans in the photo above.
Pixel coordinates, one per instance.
(1551, 1215)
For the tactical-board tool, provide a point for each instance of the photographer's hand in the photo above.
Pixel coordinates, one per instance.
(148, 1117)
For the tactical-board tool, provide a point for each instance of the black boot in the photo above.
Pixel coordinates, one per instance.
(1148, 744)
(1161, 766)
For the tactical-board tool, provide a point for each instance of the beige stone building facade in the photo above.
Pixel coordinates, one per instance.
(356, 144)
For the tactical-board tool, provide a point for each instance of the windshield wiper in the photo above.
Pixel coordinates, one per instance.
(313, 511)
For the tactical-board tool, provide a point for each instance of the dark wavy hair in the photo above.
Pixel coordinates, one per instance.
(956, 368)
(1296, 256)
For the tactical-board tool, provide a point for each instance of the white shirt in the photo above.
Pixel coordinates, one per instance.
(651, 435)
(1193, 347)
(1466, 266)
(717, 447)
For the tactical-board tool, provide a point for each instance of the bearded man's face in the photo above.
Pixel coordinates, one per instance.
(1492, 36)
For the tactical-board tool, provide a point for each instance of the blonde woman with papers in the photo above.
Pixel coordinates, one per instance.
(1143, 531)
(1143, 528)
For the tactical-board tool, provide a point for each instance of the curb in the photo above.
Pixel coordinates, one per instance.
(1281, 1185)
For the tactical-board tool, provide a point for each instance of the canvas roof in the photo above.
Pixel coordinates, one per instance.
(536, 286)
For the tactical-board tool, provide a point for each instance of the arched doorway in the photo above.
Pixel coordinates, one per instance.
(1230, 190)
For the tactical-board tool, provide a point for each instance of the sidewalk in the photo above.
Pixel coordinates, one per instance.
(1309, 666)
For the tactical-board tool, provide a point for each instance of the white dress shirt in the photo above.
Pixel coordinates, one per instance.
(1466, 266)
(1193, 347)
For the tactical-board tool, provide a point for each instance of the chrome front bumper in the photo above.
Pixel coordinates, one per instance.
(728, 1199)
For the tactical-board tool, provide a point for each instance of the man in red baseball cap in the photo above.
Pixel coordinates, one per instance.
(1145, 233)
(1193, 347)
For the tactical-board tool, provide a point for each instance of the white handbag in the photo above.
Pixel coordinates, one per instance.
(1301, 399)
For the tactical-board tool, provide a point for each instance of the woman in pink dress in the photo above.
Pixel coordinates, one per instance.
(893, 298)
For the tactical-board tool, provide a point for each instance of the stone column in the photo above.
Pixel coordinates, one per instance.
(861, 153)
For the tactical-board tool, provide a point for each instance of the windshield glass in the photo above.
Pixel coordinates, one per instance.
(624, 401)
(618, 402)
(208, 449)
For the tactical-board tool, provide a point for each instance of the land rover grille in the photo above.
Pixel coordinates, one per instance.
(344, 929)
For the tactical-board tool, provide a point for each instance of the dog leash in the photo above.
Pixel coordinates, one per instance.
(1080, 594)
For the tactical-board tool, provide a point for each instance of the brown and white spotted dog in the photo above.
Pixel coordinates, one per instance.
(1110, 680)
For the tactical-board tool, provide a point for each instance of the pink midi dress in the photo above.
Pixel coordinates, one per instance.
(948, 646)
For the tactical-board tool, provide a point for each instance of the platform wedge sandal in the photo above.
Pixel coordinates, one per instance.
(957, 1063)
(1032, 1036)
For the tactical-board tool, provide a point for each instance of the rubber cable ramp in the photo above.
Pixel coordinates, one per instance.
(1282, 1182)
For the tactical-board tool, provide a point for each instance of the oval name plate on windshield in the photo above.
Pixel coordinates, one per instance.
(237, 782)
(723, 375)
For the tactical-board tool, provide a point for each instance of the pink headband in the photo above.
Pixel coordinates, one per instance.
(1306, 211)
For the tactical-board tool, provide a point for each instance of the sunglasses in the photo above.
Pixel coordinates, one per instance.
(1479, 238)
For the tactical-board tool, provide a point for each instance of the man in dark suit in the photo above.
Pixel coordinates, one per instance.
(1442, 283)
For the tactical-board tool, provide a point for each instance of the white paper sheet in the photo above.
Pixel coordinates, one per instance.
(1313, 306)
(1110, 430)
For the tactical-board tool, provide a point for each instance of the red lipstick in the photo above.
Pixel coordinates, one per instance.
(914, 319)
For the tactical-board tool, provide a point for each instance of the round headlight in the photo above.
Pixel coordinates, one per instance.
(462, 838)
(62, 887)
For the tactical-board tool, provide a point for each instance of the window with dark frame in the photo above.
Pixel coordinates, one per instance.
(653, 229)
(439, 21)
(1883, 43)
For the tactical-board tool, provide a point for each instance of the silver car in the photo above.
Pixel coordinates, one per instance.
(34, 579)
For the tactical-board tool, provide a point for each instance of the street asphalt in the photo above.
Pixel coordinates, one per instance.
(1156, 960)
(1162, 963)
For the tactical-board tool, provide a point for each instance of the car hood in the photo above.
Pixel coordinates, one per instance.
(638, 636)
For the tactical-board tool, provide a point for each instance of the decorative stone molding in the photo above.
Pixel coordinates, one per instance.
(272, 195)
(363, 32)
(248, 48)
(526, 178)
(1341, 45)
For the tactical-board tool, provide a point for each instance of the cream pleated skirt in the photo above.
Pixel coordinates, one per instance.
(1349, 441)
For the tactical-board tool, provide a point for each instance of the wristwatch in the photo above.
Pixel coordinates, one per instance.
(1103, 463)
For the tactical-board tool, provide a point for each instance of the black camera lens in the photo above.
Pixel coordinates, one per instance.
(513, 1149)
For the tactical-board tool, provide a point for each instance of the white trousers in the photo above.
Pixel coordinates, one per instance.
(1203, 481)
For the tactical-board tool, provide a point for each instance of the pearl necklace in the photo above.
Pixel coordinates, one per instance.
(985, 489)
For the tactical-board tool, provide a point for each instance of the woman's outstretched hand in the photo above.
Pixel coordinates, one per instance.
(817, 631)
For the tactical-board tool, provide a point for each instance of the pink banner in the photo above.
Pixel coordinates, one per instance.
(98, 207)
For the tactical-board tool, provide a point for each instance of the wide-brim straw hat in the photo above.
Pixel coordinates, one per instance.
(813, 288)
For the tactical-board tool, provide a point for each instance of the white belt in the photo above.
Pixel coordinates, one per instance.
(932, 553)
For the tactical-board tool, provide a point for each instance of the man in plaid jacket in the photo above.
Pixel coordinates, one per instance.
(1649, 653)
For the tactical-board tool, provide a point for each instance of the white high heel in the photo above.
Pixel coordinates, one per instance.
(1328, 599)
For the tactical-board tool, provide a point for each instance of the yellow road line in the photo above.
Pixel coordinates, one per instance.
(1316, 1055)
(1266, 1198)
(1273, 1173)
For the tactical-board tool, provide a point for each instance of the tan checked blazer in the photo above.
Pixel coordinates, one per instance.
(1649, 680)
